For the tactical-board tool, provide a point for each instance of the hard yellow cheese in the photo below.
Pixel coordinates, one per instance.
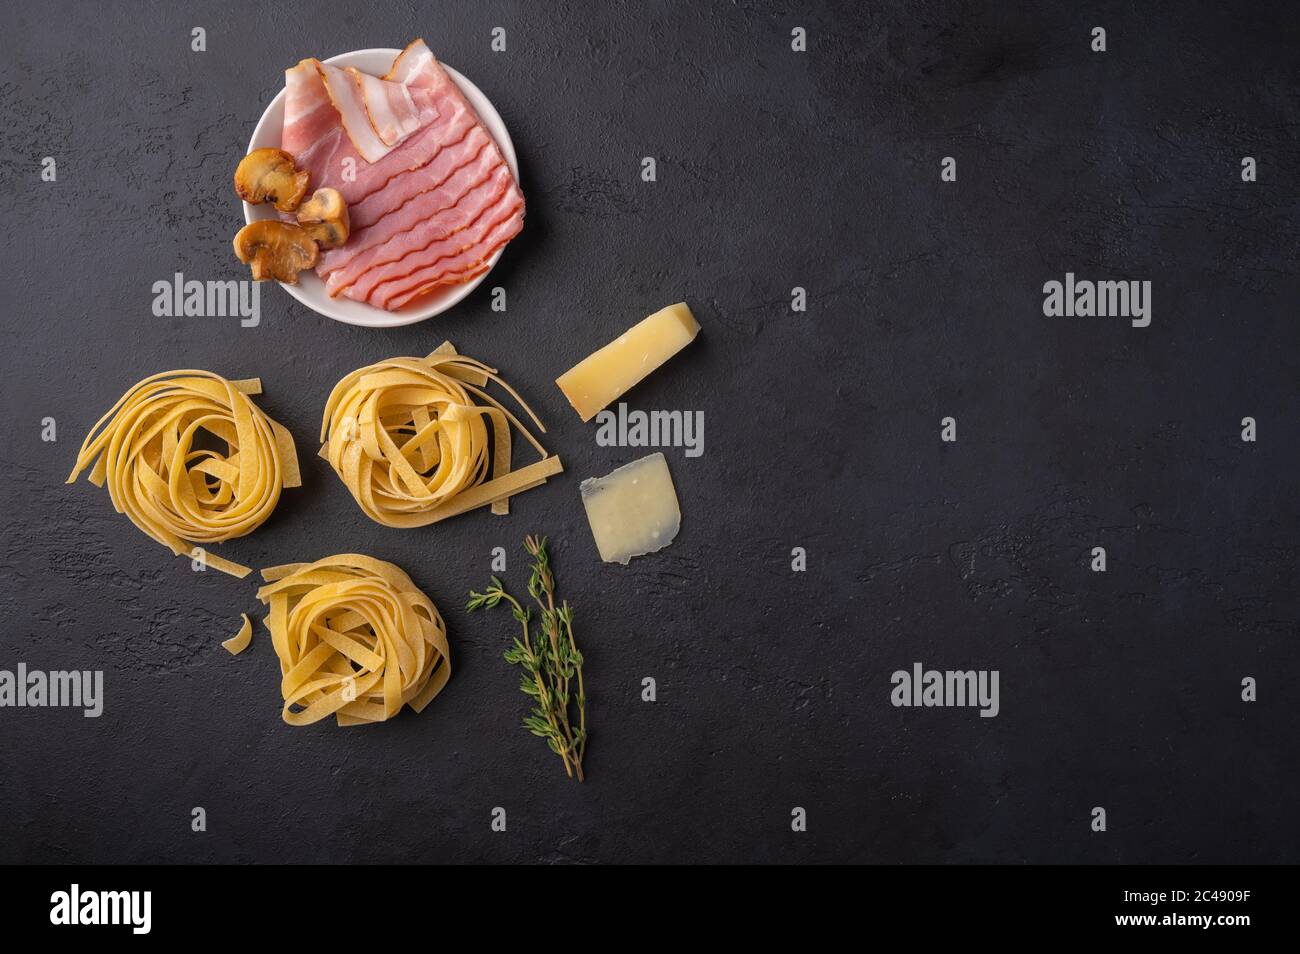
(609, 373)
(632, 511)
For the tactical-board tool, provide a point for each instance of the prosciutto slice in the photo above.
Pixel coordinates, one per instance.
(429, 194)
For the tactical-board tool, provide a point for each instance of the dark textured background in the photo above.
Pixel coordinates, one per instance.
(776, 169)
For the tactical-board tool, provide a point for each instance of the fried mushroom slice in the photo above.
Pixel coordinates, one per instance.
(275, 249)
(269, 175)
(325, 218)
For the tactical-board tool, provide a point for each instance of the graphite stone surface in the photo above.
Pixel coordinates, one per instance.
(776, 169)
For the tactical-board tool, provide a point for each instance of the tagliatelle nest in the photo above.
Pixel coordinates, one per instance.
(355, 637)
(409, 438)
(178, 493)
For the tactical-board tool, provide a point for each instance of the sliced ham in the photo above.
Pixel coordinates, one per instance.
(422, 251)
(429, 194)
(411, 228)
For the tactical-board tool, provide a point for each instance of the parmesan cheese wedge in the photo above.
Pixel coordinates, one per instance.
(612, 371)
(632, 511)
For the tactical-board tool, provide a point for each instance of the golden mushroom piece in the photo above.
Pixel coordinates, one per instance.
(325, 218)
(275, 249)
(269, 175)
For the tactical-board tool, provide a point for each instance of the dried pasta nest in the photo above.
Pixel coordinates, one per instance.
(355, 637)
(409, 437)
(155, 451)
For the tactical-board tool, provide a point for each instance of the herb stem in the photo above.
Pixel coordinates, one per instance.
(537, 677)
(550, 660)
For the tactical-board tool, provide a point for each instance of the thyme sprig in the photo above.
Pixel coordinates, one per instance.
(548, 657)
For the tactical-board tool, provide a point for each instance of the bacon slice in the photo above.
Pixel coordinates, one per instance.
(375, 114)
(430, 196)
(415, 66)
(448, 270)
(334, 161)
(309, 116)
(427, 218)
(390, 107)
(406, 185)
(423, 248)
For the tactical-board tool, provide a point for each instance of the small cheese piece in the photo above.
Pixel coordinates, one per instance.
(632, 511)
(612, 371)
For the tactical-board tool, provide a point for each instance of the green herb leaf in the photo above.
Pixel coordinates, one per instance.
(548, 659)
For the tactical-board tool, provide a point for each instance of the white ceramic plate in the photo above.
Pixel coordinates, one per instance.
(310, 290)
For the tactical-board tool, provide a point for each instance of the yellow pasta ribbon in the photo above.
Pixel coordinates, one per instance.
(239, 642)
(356, 640)
(409, 437)
(178, 493)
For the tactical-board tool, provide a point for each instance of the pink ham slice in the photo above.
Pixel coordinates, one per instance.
(414, 227)
(428, 212)
(446, 246)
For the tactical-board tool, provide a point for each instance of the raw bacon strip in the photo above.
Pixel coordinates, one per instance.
(394, 294)
(430, 196)
(421, 248)
(425, 204)
(428, 217)
(442, 281)
(334, 162)
(369, 112)
(435, 256)
(440, 183)
(389, 106)
(414, 66)
(309, 116)
(406, 185)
